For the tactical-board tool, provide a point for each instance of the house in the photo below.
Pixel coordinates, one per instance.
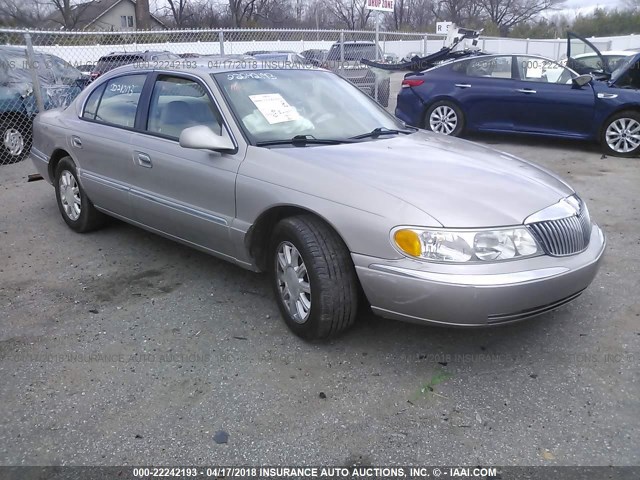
(100, 15)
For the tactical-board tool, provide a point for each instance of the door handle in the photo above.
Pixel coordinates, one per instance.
(76, 142)
(525, 90)
(144, 160)
(463, 85)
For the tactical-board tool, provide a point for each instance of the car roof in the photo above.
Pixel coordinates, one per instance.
(356, 42)
(22, 51)
(11, 48)
(203, 68)
(446, 63)
(622, 53)
(137, 52)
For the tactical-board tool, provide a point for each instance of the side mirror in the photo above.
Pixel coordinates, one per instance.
(581, 80)
(203, 138)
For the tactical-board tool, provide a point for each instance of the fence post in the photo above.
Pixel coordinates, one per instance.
(424, 45)
(375, 85)
(33, 68)
(341, 48)
(221, 39)
(527, 46)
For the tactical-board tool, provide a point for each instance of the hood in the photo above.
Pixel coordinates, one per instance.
(458, 183)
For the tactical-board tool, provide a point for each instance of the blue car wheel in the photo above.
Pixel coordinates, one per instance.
(620, 135)
(444, 117)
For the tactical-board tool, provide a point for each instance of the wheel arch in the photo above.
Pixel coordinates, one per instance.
(625, 107)
(257, 237)
(57, 155)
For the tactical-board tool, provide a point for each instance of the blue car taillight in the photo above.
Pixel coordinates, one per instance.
(411, 82)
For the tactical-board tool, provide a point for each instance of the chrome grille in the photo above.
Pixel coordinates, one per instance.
(564, 236)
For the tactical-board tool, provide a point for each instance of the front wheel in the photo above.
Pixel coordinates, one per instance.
(313, 278)
(444, 117)
(621, 134)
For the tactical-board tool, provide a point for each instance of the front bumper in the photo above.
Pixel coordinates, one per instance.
(477, 295)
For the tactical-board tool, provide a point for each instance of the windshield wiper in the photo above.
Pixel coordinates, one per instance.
(376, 132)
(303, 140)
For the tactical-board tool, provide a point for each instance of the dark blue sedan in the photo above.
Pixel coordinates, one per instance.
(527, 94)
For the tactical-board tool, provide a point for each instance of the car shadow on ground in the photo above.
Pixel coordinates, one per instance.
(380, 336)
(137, 262)
(566, 144)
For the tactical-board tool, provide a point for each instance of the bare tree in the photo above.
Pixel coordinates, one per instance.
(456, 11)
(420, 15)
(399, 10)
(505, 14)
(316, 15)
(21, 13)
(69, 14)
(240, 11)
(352, 13)
(205, 14)
(180, 11)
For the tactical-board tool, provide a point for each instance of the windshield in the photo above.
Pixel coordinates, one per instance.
(280, 104)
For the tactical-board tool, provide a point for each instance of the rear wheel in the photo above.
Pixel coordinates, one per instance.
(313, 278)
(77, 210)
(16, 138)
(621, 134)
(444, 117)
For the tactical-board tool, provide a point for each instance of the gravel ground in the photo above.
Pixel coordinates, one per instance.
(121, 347)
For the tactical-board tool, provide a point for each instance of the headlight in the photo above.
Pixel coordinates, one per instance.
(457, 246)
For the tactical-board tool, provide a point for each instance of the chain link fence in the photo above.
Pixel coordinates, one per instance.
(40, 70)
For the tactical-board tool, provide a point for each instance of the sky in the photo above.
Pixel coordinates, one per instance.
(573, 7)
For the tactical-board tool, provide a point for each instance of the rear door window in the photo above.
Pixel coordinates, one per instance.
(493, 67)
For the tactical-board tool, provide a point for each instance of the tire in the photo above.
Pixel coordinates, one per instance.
(620, 135)
(444, 117)
(329, 304)
(15, 138)
(75, 207)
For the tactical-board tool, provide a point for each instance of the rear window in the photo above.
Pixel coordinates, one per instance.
(353, 52)
(109, 63)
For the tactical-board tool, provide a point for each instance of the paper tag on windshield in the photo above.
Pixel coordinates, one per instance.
(274, 108)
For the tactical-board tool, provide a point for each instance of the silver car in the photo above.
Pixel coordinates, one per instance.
(298, 173)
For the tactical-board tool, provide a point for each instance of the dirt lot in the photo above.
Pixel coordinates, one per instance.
(121, 347)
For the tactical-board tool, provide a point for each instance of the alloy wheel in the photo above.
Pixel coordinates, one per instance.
(293, 282)
(443, 119)
(623, 135)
